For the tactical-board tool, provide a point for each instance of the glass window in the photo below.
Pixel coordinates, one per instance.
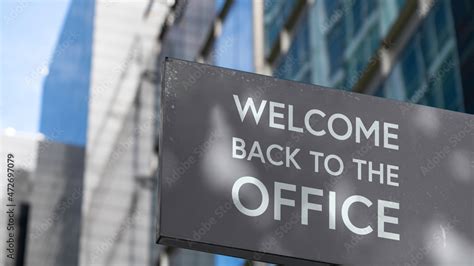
(371, 6)
(410, 70)
(284, 67)
(450, 91)
(276, 12)
(361, 10)
(360, 58)
(301, 41)
(431, 97)
(357, 15)
(441, 23)
(380, 92)
(336, 45)
(306, 77)
(331, 6)
(356, 66)
(298, 55)
(428, 43)
(374, 40)
(234, 47)
(423, 83)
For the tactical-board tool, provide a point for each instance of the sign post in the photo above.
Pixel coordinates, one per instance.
(279, 171)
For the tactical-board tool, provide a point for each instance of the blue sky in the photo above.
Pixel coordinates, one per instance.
(228, 261)
(29, 32)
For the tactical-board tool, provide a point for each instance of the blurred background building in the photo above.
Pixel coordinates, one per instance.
(24, 146)
(87, 183)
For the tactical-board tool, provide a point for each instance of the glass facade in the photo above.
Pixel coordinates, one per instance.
(66, 88)
(334, 42)
(233, 48)
(428, 69)
(345, 33)
(296, 64)
(462, 11)
(276, 12)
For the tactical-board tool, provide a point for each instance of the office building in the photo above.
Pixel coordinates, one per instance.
(64, 107)
(118, 214)
(24, 148)
(403, 50)
(55, 199)
(91, 192)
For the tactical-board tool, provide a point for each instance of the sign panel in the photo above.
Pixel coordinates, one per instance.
(279, 171)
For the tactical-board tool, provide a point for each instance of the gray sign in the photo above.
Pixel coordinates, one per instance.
(285, 172)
